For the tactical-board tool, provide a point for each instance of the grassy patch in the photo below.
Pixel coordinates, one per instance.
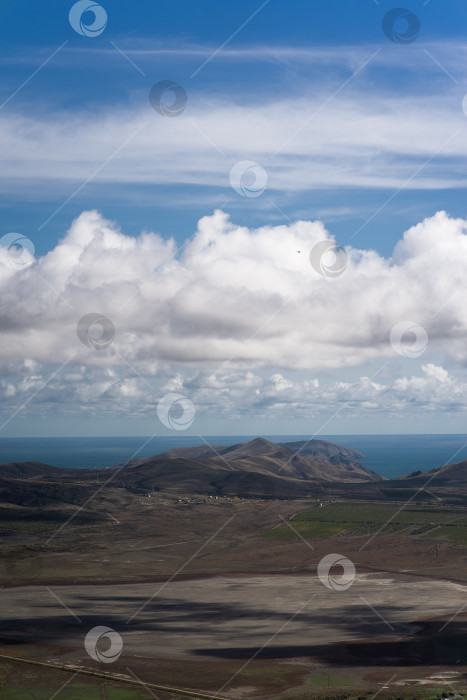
(332, 680)
(456, 534)
(364, 519)
(308, 530)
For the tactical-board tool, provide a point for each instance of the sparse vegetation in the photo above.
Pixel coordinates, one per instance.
(144, 533)
(357, 519)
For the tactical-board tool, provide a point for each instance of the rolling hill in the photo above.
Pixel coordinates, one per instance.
(447, 473)
(258, 466)
(277, 468)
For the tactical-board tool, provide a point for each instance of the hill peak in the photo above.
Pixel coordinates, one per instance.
(260, 443)
(254, 448)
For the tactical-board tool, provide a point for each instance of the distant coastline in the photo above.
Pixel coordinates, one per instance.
(389, 455)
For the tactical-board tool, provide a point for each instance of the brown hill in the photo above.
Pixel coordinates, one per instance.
(258, 466)
(29, 470)
(218, 469)
(448, 473)
(326, 450)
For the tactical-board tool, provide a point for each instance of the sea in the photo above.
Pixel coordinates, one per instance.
(389, 455)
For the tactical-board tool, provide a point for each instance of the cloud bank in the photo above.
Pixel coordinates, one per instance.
(246, 297)
(234, 395)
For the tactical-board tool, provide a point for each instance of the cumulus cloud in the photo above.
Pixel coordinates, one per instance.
(234, 395)
(232, 296)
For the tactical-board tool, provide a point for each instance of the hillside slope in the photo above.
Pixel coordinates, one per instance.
(258, 466)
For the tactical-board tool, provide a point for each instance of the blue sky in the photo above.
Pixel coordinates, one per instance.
(363, 134)
(171, 41)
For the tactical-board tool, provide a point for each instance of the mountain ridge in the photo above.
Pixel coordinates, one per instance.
(257, 468)
(448, 472)
(288, 468)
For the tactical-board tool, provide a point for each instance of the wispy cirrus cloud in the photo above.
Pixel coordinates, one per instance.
(355, 142)
(383, 131)
(450, 54)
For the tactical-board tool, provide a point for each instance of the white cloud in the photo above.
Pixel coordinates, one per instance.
(358, 140)
(234, 295)
(236, 395)
(143, 50)
(438, 373)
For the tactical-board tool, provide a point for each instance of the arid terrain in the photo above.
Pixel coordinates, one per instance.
(220, 592)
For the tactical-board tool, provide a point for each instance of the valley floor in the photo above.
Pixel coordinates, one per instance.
(223, 599)
(256, 634)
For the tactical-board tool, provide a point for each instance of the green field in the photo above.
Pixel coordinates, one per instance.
(365, 519)
(332, 680)
(457, 534)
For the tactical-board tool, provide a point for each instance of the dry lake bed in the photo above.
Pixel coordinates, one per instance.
(286, 616)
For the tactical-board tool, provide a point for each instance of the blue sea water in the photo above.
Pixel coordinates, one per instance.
(388, 455)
